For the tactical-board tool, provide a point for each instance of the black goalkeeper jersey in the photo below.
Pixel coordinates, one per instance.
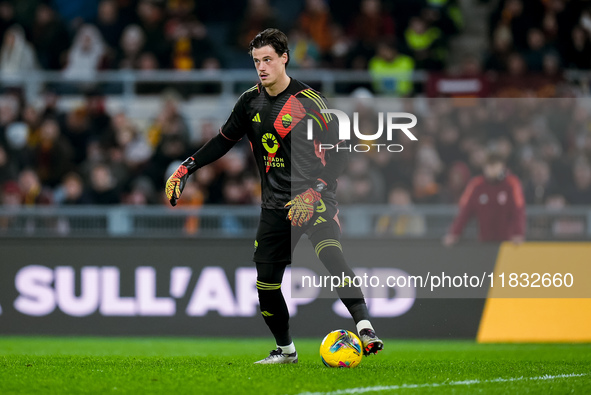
(288, 161)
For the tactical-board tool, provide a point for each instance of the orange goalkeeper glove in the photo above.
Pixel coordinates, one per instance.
(302, 207)
(176, 182)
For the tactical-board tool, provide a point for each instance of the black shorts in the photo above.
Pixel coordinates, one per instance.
(276, 238)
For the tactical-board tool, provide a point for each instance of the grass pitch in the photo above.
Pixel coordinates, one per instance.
(43, 365)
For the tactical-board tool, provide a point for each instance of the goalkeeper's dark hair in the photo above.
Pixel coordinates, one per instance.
(273, 37)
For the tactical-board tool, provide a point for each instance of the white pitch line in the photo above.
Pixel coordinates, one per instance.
(362, 390)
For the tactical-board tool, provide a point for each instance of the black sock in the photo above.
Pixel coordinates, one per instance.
(357, 308)
(272, 303)
(329, 250)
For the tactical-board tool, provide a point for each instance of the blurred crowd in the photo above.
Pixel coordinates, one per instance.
(545, 142)
(531, 42)
(540, 35)
(82, 37)
(87, 156)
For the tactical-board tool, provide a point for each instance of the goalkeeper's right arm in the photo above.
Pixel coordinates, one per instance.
(210, 152)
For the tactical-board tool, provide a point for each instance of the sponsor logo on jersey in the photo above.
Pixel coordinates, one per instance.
(271, 144)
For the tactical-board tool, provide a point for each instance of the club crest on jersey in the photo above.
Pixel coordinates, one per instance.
(286, 120)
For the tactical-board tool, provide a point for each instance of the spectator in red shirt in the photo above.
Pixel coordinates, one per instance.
(496, 199)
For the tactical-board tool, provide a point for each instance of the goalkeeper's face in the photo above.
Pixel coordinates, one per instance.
(269, 65)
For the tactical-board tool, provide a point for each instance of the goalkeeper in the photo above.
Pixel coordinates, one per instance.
(298, 185)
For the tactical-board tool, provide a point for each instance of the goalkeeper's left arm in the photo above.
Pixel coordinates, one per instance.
(210, 152)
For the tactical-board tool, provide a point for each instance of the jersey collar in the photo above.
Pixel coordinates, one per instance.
(280, 93)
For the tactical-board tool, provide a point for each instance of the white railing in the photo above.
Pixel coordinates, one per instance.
(359, 221)
(128, 80)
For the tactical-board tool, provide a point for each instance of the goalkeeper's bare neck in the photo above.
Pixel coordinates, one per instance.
(270, 55)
